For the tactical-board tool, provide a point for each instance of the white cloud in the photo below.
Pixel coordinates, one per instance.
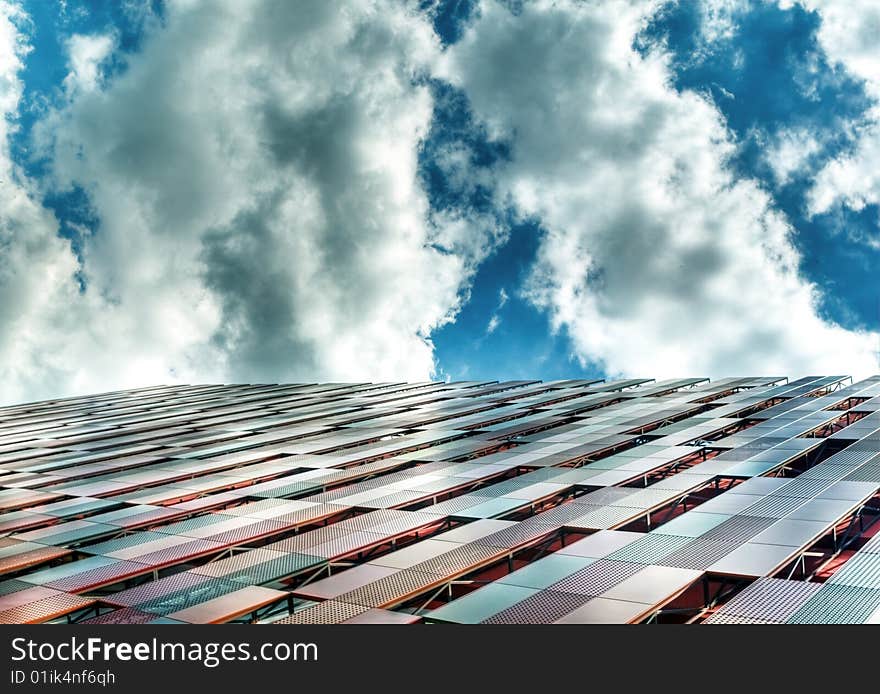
(86, 54)
(848, 35)
(655, 258)
(495, 318)
(494, 322)
(254, 170)
(789, 152)
(39, 298)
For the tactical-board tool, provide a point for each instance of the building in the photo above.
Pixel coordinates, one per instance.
(689, 500)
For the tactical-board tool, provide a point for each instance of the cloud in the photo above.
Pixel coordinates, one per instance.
(37, 267)
(86, 53)
(495, 318)
(848, 36)
(789, 151)
(494, 322)
(254, 171)
(655, 258)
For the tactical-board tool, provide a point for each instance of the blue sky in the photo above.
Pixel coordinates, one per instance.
(502, 284)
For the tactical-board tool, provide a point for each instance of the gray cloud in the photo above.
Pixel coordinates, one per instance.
(254, 171)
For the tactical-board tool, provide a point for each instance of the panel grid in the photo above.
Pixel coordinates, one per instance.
(544, 607)
(770, 599)
(595, 579)
(196, 492)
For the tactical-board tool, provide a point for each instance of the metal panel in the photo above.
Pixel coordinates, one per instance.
(391, 589)
(600, 544)
(861, 571)
(723, 618)
(599, 518)
(544, 607)
(649, 549)
(517, 535)
(753, 559)
(189, 597)
(837, 604)
(738, 528)
(653, 584)
(771, 600)
(605, 611)
(458, 560)
(329, 612)
(100, 576)
(481, 604)
(595, 579)
(125, 615)
(698, 554)
(45, 609)
(154, 589)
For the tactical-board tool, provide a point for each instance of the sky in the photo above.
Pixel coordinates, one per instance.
(400, 190)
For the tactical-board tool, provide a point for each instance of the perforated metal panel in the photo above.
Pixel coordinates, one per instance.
(605, 518)
(516, 535)
(837, 604)
(851, 457)
(38, 555)
(647, 498)
(698, 554)
(738, 529)
(560, 515)
(721, 618)
(649, 549)
(292, 489)
(193, 595)
(276, 569)
(805, 487)
(367, 521)
(305, 540)
(605, 497)
(595, 579)
(344, 545)
(100, 576)
(328, 612)
(146, 518)
(861, 570)
(544, 607)
(13, 586)
(252, 507)
(391, 589)
(828, 471)
(456, 504)
(125, 615)
(458, 560)
(866, 473)
(405, 522)
(69, 533)
(195, 523)
(401, 498)
(153, 589)
(770, 599)
(124, 542)
(248, 533)
(307, 515)
(45, 609)
(186, 550)
(872, 546)
(370, 429)
(774, 506)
